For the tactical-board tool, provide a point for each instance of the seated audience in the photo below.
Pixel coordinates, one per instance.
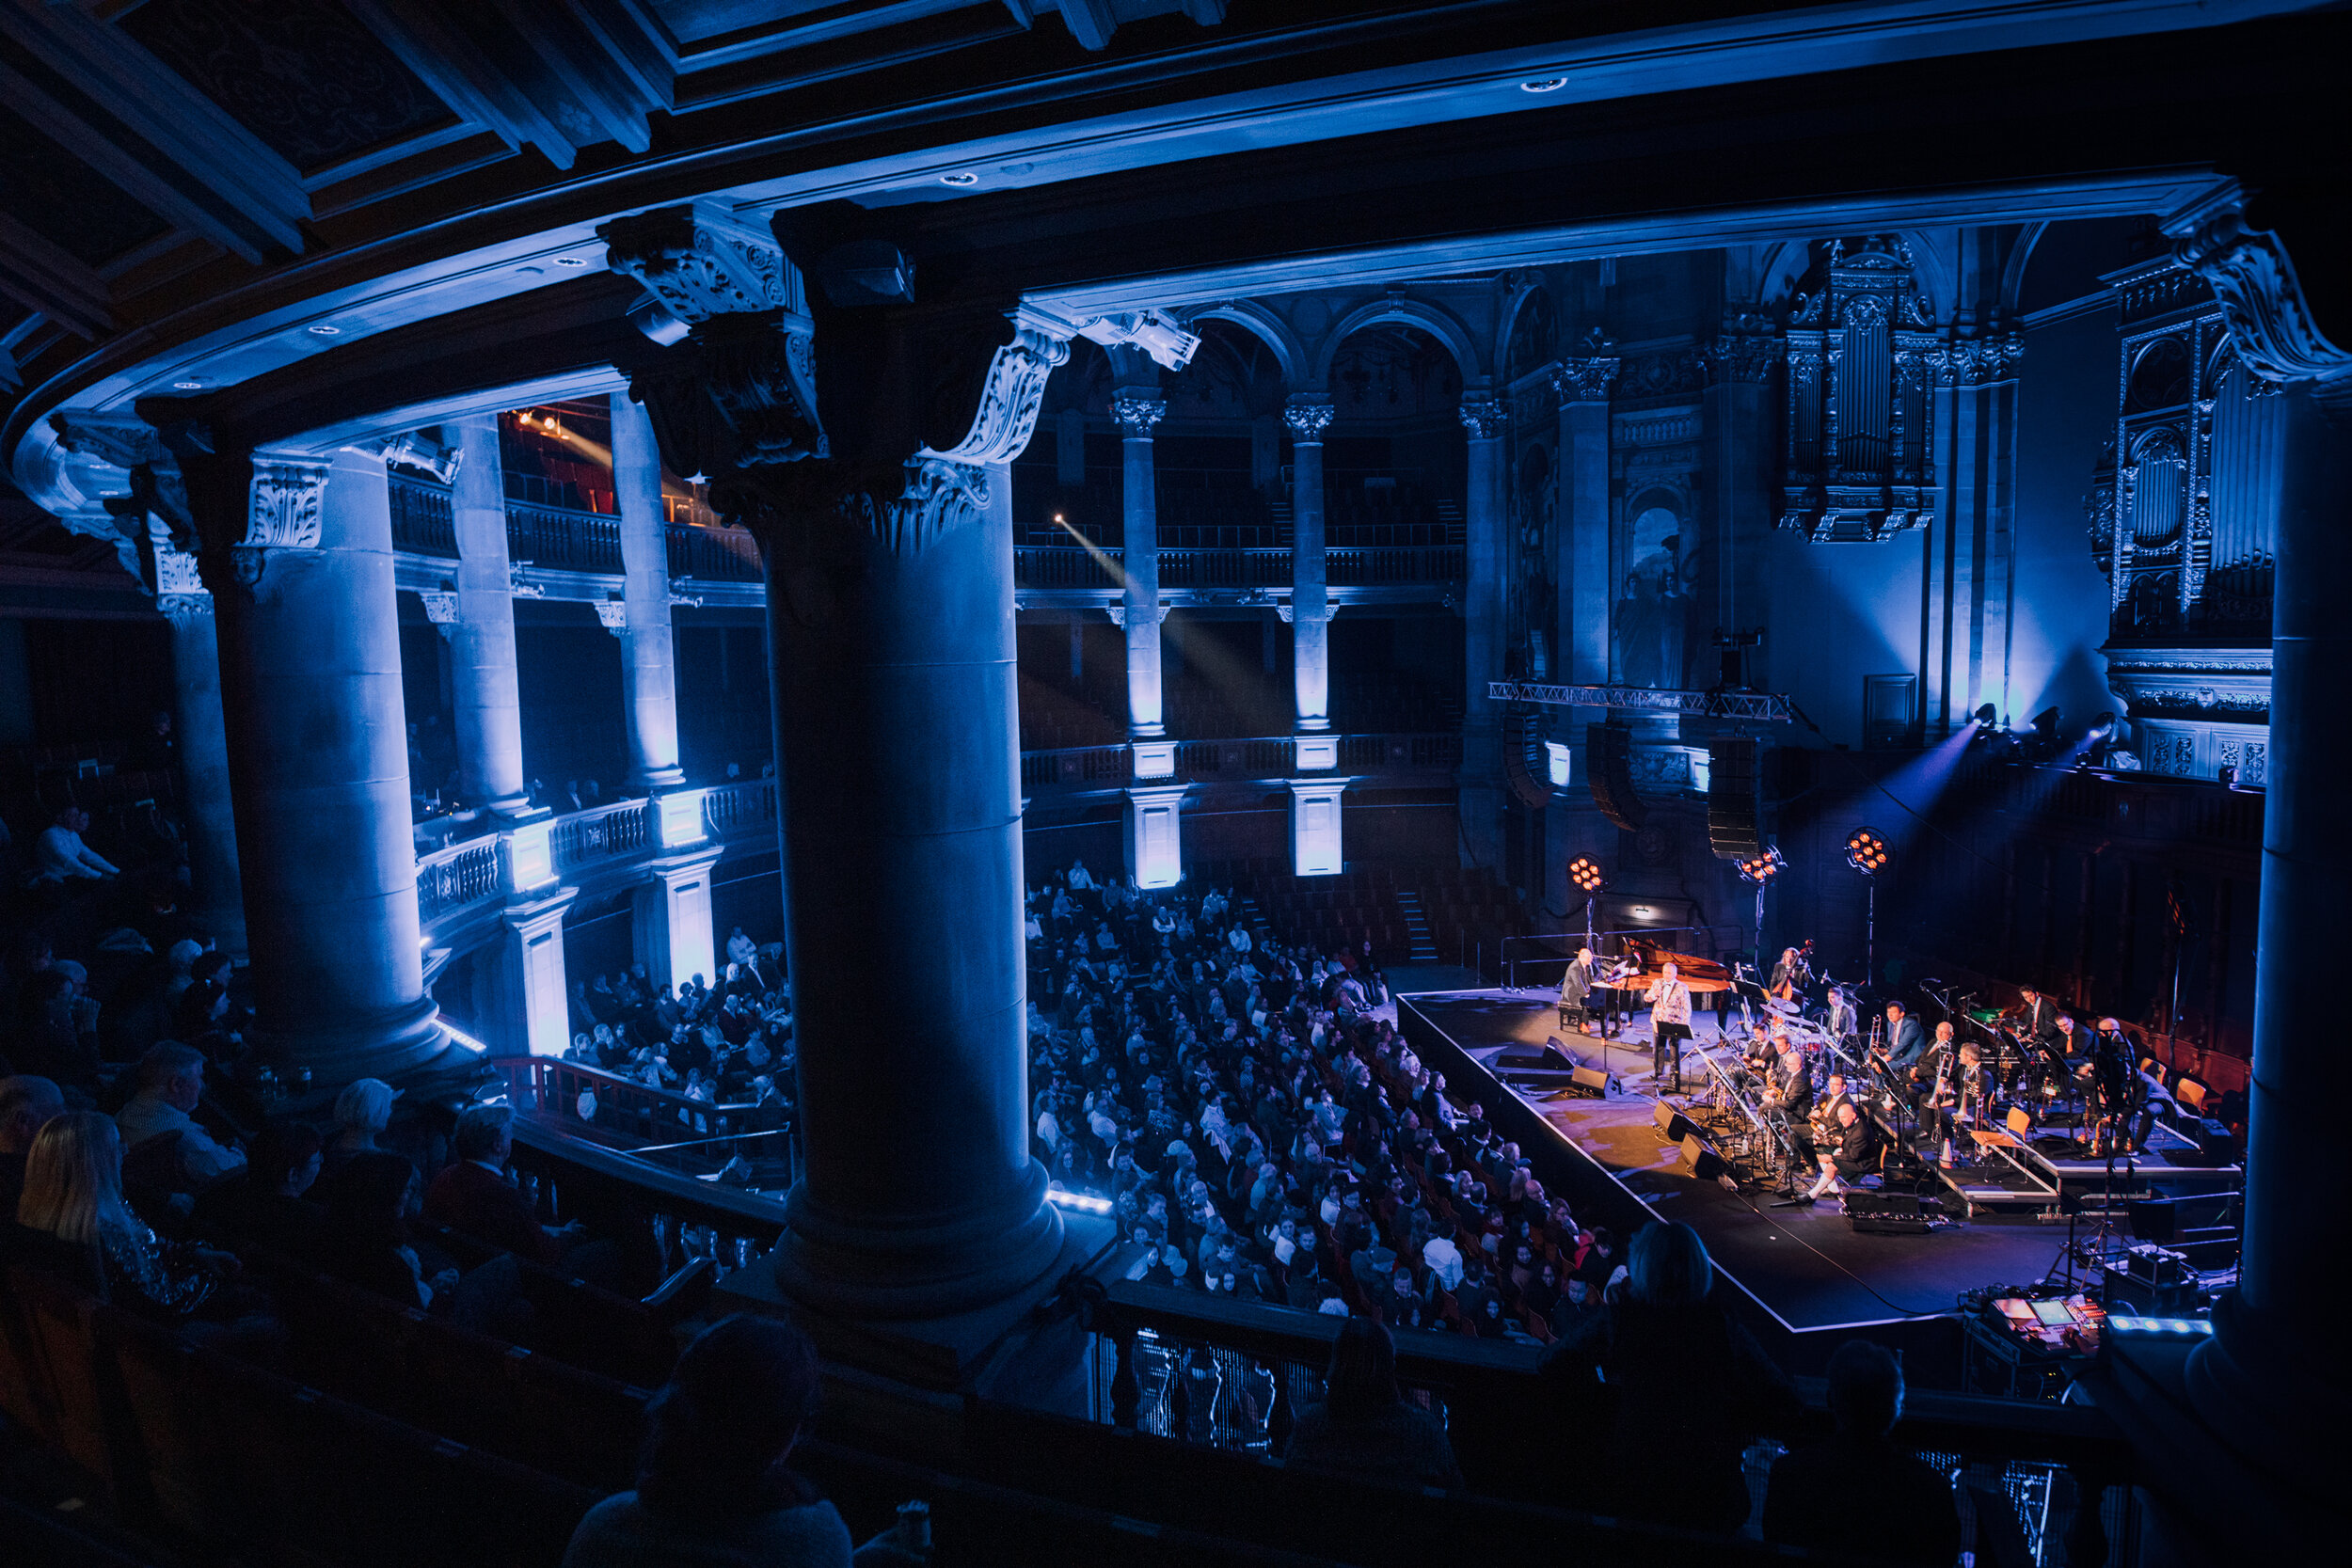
(477, 1196)
(57, 1032)
(27, 1105)
(267, 1205)
(712, 1490)
(170, 1086)
(1642, 1366)
(1858, 1491)
(1365, 1427)
(365, 1239)
(362, 1111)
(73, 1202)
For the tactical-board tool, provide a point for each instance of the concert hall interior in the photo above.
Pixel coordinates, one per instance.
(1179, 782)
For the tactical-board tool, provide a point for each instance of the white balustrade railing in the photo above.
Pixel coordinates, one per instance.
(466, 879)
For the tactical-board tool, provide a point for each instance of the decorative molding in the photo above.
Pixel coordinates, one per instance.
(440, 609)
(123, 441)
(1307, 419)
(1485, 418)
(700, 262)
(1588, 377)
(1012, 393)
(2254, 281)
(1977, 361)
(612, 614)
(1137, 413)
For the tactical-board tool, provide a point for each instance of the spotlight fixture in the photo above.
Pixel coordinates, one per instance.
(2226, 776)
(1988, 715)
(961, 176)
(2103, 726)
(1544, 84)
(1867, 851)
(187, 386)
(326, 329)
(571, 260)
(1761, 869)
(1585, 873)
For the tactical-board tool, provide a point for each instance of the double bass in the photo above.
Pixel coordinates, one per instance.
(1793, 980)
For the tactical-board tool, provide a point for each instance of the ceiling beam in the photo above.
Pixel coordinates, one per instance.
(120, 110)
(41, 276)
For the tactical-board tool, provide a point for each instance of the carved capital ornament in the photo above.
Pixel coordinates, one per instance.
(1308, 420)
(1137, 413)
(1485, 418)
(2254, 281)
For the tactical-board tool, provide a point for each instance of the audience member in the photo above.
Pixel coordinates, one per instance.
(1858, 1489)
(1640, 1367)
(713, 1487)
(267, 1205)
(27, 1105)
(477, 1196)
(170, 1086)
(362, 1111)
(1364, 1427)
(365, 1239)
(74, 1197)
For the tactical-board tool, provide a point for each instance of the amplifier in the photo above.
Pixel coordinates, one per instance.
(2129, 1290)
(1887, 1214)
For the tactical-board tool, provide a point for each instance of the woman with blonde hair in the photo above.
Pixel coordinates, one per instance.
(362, 1110)
(74, 1199)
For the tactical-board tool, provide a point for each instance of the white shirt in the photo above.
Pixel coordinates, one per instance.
(151, 1116)
(60, 853)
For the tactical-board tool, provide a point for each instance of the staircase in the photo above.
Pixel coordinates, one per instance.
(1450, 517)
(1425, 947)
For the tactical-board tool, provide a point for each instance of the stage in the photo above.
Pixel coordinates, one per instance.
(1803, 1271)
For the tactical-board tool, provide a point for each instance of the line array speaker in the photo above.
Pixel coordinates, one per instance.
(1609, 758)
(1734, 798)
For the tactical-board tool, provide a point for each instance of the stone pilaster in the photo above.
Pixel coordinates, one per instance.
(1486, 422)
(489, 715)
(1310, 607)
(1137, 413)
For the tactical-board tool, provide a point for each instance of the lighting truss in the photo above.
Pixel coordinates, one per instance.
(1763, 707)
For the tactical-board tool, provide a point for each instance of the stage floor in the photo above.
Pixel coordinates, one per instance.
(1804, 1267)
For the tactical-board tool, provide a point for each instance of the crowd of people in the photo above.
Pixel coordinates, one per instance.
(730, 1043)
(1265, 1132)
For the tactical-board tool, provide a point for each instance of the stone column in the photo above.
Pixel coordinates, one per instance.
(897, 758)
(647, 652)
(488, 699)
(1138, 412)
(298, 553)
(217, 901)
(2274, 1359)
(1482, 517)
(1310, 610)
(1572, 823)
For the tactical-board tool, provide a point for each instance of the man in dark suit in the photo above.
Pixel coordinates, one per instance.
(1574, 987)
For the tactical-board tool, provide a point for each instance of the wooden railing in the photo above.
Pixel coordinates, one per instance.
(563, 540)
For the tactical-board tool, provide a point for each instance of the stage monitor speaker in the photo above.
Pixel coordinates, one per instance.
(1672, 1124)
(1609, 764)
(1886, 1214)
(1735, 797)
(1552, 1059)
(1704, 1161)
(1592, 1083)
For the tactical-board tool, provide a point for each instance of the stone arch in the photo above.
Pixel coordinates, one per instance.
(1268, 328)
(1441, 324)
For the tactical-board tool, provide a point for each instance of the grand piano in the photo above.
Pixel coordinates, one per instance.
(1643, 963)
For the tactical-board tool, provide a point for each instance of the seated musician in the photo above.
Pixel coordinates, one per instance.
(1844, 1017)
(1759, 1053)
(1790, 1091)
(2038, 1016)
(1575, 987)
(1855, 1155)
(1822, 1125)
(1790, 975)
(1905, 1041)
(1957, 1082)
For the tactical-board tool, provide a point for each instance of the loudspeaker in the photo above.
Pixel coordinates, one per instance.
(1672, 1124)
(1609, 758)
(1886, 1214)
(1592, 1083)
(1704, 1161)
(1525, 765)
(1734, 798)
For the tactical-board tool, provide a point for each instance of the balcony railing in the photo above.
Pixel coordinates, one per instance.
(565, 539)
(1068, 566)
(466, 879)
(1081, 768)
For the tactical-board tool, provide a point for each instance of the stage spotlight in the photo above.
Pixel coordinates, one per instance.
(2046, 724)
(1585, 873)
(2103, 727)
(1988, 715)
(1867, 852)
(1761, 869)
